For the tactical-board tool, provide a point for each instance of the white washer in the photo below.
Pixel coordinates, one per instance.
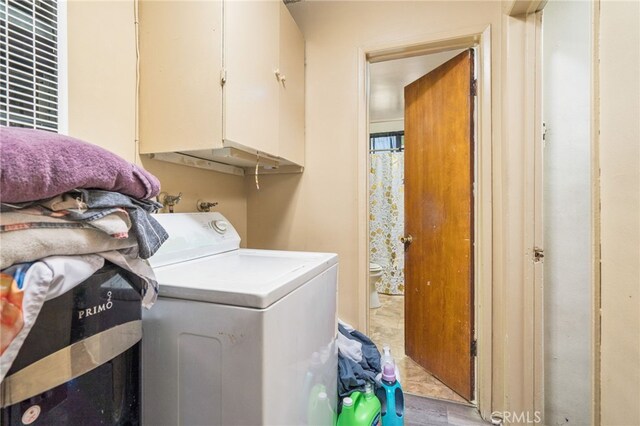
(238, 336)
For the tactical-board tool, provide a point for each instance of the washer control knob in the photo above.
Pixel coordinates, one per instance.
(220, 226)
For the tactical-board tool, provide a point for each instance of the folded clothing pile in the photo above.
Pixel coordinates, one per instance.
(66, 207)
(358, 360)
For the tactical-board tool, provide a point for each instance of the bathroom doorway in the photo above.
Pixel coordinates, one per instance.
(421, 219)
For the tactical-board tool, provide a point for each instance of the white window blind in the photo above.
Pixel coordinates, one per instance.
(29, 64)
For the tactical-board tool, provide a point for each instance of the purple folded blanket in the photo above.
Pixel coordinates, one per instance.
(35, 164)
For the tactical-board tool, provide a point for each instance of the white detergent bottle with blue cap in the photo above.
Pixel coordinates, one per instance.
(391, 398)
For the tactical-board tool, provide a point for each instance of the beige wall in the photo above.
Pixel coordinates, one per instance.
(102, 96)
(198, 184)
(620, 204)
(273, 217)
(324, 214)
(327, 202)
(318, 210)
(321, 212)
(101, 74)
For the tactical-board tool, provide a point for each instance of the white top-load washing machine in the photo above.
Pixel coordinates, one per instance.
(238, 336)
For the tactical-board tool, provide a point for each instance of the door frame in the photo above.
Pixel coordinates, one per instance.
(480, 39)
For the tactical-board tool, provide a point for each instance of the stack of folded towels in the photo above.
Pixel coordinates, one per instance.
(66, 207)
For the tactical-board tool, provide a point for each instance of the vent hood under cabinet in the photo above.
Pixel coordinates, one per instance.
(229, 160)
(200, 110)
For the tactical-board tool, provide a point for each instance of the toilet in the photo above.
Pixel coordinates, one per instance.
(375, 272)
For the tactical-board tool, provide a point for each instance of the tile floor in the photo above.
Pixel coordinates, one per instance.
(387, 327)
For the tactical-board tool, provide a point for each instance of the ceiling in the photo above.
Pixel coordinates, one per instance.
(387, 81)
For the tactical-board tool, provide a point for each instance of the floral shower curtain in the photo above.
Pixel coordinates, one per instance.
(386, 221)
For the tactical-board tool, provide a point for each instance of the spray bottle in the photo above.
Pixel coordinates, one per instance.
(391, 398)
(387, 358)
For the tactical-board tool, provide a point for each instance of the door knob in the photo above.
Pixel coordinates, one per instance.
(406, 240)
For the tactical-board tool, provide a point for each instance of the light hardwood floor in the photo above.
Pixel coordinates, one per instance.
(420, 411)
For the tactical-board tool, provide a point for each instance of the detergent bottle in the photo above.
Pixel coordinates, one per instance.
(311, 377)
(320, 411)
(360, 409)
(391, 398)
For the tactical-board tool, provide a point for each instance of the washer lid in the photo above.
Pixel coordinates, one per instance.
(249, 278)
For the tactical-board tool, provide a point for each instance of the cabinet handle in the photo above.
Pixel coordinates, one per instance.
(279, 76)
(223, 76)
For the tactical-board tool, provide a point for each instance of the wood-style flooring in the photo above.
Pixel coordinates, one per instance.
(421, 411)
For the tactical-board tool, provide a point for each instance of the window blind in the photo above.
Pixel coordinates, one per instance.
(390, 141)
(29, 64)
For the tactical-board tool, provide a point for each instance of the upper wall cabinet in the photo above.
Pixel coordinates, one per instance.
(251, 89)
(222, 81)
(180, 64)
(291, 89)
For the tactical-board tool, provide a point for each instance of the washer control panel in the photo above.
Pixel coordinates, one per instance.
(219, 226)
(193, 235)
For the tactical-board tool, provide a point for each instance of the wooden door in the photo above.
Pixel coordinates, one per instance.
(439, 174)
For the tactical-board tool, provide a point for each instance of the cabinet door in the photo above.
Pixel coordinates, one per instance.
(251, 61)
(292, 89)
(180, 63)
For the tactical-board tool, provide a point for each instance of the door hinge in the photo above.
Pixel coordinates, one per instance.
(538, 255)
(474, 87)
(223, 76)
(474, 347)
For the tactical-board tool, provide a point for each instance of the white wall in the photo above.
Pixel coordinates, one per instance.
(567, 212)
(386, 126)
(620, 207)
